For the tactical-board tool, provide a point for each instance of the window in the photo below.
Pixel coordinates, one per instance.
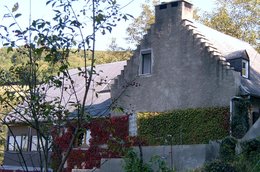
(88, 137)
(34, 144)
(24, 143)
(146, 62)
(84, 138)
(18, 142)
(11, 143)
(244, 71)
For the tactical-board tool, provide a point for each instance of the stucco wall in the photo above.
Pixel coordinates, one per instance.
(184, 74)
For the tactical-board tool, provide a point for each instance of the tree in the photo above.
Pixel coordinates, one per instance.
(238, 18)
(52, 42)
(141, 24)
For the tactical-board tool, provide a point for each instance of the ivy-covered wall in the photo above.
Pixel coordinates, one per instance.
(188, 126)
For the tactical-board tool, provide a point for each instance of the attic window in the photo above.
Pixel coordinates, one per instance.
(146, 62)
(244, 71)
(174, 4)
(163, 6)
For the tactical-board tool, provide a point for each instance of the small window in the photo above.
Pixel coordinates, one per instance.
(24, 143)
(34, 144)
(11, 141)
(244, 71)
(18, 143)
(88, 137)
(42, 144)
(84, 138)
(146, 63)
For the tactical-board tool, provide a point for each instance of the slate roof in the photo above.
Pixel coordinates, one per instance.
(98, 100)
(230, 48)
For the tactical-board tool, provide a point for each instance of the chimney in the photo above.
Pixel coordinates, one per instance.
(176, 10)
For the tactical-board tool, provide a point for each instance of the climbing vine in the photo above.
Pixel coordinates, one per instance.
(109, 139)
(185, 126)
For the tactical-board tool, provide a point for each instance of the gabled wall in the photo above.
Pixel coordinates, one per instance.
(186, 71)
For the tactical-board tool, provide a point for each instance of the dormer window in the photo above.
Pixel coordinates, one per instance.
(146, 62)
(244, 71)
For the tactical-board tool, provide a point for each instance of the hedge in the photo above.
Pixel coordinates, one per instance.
(188, 126)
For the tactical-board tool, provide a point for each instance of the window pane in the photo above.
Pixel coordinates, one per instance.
(244, 71)
(146, 63)
(88, 137)
(42, 143)
(34, 143)
(18, 143)
(24, 143)
(11, 143)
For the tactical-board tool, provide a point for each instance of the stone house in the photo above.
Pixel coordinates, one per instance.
(183, 64)
(179, 64)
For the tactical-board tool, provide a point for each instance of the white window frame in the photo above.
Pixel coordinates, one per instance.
(141, 67)
(244, 70)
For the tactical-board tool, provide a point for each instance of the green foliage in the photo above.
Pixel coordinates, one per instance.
(228, 149)
(37, 58)
(15, 62)
(249, 159)
(186, 126)
(240, 124)
(134, 164)
(141, 24)
(246, 161)
(236, 18)
(219, 166)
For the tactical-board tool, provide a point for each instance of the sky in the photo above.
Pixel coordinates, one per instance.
(133, 7)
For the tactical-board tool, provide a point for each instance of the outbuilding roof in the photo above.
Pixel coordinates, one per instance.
(98, 100)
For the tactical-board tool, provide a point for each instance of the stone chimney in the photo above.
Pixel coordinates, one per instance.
(175, 10)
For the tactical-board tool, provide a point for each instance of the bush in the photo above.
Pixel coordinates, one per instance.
(249, 159)
(251, 149)
(219, 166)
(228, 149)
(240, 124)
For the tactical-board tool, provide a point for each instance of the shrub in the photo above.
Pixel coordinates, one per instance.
(228, 149)
(219, 166)
(240, 123)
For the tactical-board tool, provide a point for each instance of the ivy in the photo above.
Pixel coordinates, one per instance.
(109, 139)
(240, 124)
(185, 126)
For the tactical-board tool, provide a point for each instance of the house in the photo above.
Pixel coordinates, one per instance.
(98, 105)
(179, 64)
(183, 64)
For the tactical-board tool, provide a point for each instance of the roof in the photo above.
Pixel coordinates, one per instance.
(231, 48)
(98, 100)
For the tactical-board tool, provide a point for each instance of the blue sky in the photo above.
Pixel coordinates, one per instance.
(39, 10)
